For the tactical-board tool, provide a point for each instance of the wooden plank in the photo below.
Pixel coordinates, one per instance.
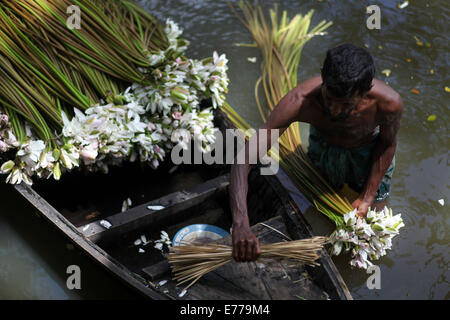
(141, 216)
(95, 252)
(157, 270)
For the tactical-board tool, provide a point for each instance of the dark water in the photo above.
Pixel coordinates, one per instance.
(34, 257)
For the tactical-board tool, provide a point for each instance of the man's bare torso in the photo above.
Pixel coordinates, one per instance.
(362, 122)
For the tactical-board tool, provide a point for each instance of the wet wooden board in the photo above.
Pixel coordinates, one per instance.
(263, 280)
(140, 216)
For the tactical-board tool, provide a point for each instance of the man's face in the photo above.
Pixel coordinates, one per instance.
(338, 109)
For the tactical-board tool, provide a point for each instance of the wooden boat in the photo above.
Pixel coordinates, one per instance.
(191, 194)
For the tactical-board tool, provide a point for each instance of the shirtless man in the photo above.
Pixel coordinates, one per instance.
(354, 122)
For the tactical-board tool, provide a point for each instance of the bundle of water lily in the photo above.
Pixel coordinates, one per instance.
(281, 45)
(117, 89)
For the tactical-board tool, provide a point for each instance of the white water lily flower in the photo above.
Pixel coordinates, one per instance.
(172, 30)
(71, 128)
(46, 160)
(157, 58)
(182, 137)
(3, 146)
(32, 149)
(337, 248)
(17, 176)
(79, 115)
(220, 61)
(69, 159)
(350, 218)
(367, 238)
(11, 139)
(89, 154)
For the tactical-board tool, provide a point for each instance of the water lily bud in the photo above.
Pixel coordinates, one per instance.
(179, 94)
(7, 167)
(119, 100)
(66, 159)
(56, 154)
(57, 171)
(207, 60)
(377, 227)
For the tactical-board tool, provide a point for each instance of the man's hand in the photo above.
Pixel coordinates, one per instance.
(362, 206)
(245, 244)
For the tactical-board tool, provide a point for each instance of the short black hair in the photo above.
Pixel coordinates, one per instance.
(348, 69)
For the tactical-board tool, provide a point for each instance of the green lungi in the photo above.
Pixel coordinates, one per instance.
(352, 166)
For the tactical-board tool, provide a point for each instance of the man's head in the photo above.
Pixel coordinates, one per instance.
(347, 75)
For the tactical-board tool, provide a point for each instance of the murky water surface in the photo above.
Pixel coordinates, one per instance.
(34, 257)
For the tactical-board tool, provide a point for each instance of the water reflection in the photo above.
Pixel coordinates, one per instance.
(34, 258)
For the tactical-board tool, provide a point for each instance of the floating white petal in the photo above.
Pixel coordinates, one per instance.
(161, 283)
(181, 295)
(155, 208)
(106, 224)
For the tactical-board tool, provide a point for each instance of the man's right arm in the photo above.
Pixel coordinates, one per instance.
(245, 244)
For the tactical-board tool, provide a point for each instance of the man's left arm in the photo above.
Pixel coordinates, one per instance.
(383, 154)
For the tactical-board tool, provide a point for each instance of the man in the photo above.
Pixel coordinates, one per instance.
(354, 122)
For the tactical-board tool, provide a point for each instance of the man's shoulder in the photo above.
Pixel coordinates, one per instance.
(389, 101)
(309, 85)
(306, 91)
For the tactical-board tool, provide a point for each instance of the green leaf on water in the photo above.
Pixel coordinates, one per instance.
(432, 118)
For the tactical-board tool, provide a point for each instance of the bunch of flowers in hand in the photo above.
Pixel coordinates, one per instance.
(366, 238)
